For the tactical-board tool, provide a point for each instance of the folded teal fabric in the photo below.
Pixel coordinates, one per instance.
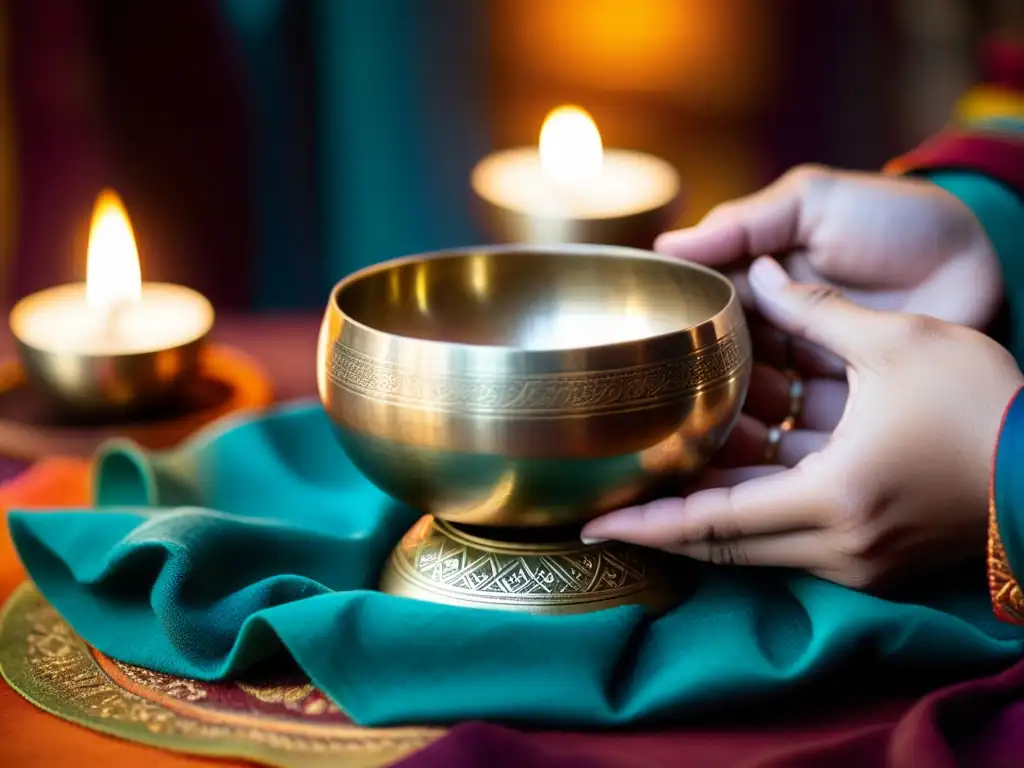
(258, 540)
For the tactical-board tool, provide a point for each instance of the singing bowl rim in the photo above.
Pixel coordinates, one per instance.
(730, 307)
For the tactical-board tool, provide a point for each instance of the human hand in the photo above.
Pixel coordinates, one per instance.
(890, 243)
(902, 481)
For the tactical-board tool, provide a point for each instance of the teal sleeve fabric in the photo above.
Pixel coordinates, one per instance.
(1008, 484)
(1001, 213)
(258, 539)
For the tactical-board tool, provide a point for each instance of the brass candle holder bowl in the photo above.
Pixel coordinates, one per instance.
(635, 229)
(110, 386)
(512, 393)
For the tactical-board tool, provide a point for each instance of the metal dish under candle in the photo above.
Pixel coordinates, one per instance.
(100, 386)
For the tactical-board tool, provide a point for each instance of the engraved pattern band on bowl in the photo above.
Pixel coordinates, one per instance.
(541, 394)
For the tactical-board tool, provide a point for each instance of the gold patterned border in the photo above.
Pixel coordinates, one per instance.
(1007, 599)
(46, 662)
(454, 564)
(542, 394)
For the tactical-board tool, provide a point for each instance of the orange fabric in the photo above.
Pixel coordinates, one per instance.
(29, 737)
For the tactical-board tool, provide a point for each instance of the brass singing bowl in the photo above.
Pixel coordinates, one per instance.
(522, 387)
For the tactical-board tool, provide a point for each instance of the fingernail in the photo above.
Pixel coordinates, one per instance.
(767, 273)
(610, 527)
(666, 239)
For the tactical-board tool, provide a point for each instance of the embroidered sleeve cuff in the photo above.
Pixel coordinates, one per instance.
(1006, 516)
(996, 152)
(998, 209)
(1000, 93)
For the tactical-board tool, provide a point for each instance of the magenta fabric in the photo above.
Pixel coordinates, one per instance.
(103, 100)
(1003, 64)
(11, 468)
(978, 723)
(997, 155)
(61, 163)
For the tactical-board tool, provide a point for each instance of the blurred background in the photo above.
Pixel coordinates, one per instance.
(265, 148)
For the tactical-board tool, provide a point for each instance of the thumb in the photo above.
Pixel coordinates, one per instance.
(818, 313)
(773, 220)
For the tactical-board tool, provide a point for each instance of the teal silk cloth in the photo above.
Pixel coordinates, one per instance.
(259, 537)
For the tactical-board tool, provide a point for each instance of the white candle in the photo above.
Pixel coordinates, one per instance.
(571, 176)
(61, 320)
(113, 312)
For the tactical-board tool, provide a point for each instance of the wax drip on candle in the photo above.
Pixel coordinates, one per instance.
(113, 276)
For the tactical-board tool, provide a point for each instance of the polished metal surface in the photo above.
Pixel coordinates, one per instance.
(111, 388)
(532, 386)
(638, 229)
(512, 393)
(439, 562)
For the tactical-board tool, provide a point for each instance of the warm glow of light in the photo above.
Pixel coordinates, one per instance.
(570, 147)
(716, 57)
(113, 276)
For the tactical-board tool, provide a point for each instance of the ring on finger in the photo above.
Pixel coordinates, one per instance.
(796, 399)
(773, 443)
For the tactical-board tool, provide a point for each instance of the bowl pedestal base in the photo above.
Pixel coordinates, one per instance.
(541, 570)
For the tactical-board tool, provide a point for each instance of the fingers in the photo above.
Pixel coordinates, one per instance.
(966, 291)
(780, 350)
(819, 314)
(773, 503)
(768, 399)
(747, 446)
(715, 477)
(769, 221)
(743, 290)
(886, 299)
(806, 550)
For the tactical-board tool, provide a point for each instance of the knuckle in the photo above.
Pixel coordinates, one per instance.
(857, 506)
(810, 177)
(712, 533)
(859, 542)
(909, 332)
(726, 553)
(817, 295)
(923, 328)
(862, 576)
(859, 501)
(724, 210)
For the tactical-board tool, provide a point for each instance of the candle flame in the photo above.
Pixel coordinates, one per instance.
(113, 276)
(570, 147)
